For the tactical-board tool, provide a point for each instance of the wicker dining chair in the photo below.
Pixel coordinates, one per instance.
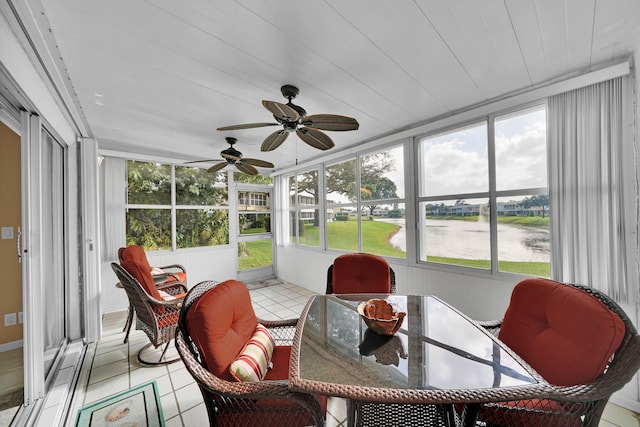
(367, 273)
(574, 336)
(212, 317)
(359, 273)
(155, 314)
(164, 276)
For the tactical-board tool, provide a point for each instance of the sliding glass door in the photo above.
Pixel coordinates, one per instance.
(53, 233)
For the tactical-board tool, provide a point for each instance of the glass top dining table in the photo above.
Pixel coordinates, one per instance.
(439, 355)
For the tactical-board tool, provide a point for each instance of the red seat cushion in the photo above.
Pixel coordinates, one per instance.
(361, 273)
(220, 323)
(134, 260)
(280, 362)
(565, 334)
(533, 413)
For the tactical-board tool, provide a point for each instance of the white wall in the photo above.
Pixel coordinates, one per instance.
(478, 297)
(216, 263)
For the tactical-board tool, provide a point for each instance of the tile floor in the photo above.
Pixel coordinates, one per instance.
(111, 366)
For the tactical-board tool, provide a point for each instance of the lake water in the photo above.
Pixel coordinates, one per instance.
(470, 240)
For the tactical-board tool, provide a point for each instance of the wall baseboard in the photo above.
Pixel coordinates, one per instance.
(10, 346)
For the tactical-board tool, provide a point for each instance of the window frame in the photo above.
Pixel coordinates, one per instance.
(357, 205)
(173, 207)
(492, 194)
(412, 198)
(297, 207)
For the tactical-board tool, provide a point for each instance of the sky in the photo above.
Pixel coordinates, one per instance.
(457, 162)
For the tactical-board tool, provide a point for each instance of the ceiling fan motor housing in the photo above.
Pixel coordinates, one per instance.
(290, 92)
(231, 154)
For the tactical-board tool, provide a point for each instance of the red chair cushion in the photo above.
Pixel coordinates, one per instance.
(179, 276)
(280, 361)
(220, 323)
(134, 260)
(361, 273)
(565, 334)
(533, 413)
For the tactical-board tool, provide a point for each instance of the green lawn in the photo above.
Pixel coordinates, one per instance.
(539, 269)
(256, 253)
(343, 235)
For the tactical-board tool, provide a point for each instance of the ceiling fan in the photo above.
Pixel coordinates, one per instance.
(231, 156)
(294, 118)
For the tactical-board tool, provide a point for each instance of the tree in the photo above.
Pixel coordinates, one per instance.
(150, 184)
(377, 188)
(541, 200)
(252, 179)
(307, 183)
(341, 178)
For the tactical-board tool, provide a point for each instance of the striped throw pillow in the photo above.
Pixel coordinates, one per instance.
(253, 362)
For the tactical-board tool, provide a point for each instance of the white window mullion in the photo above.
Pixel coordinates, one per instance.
(493, 208)
(173, 209)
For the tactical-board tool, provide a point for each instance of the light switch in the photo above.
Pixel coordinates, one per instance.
(7, 233)
(9, 319)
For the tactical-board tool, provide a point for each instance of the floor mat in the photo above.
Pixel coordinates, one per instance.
(139, 406)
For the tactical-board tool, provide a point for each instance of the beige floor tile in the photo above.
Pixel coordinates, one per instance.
(173, 422)
(169, 406)
(181, 379)
(196, 417)
(103, 389)
(111, 370)
(118, 354)
(188, 397)
(145, 374)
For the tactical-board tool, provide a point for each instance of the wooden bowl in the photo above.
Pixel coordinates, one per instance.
(379, 316)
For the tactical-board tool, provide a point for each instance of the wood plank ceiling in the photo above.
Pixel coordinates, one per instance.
(159, 76)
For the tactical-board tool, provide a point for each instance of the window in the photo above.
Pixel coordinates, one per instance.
(259, 199)
(304, 209)
(489, 172)
(167, 204)
(364, 205)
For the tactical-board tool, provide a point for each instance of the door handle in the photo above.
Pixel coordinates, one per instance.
(19, 236)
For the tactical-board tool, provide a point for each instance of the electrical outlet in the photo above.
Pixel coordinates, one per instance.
(9, 319)
(20, 317)
(7, 232)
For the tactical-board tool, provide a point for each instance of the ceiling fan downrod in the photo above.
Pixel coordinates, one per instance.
(290, 92)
